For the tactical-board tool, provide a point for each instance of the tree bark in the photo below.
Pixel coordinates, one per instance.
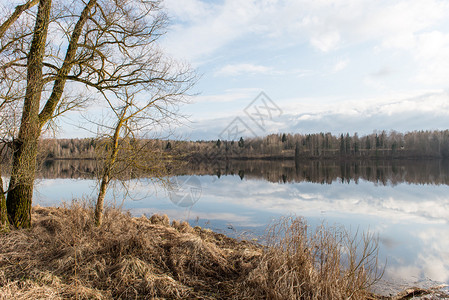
(108, 167)
(4, 224)
(100, 200)
(20, 193)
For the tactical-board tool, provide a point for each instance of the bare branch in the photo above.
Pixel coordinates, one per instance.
(15, 15)
(52, 102)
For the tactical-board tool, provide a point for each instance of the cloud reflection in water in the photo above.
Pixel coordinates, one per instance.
(411, 220)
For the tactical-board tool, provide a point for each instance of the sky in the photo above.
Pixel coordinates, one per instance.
(323, 66)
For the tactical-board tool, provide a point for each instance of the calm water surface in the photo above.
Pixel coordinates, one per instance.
(406, 203)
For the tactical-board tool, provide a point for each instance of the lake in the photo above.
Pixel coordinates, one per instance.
(406, 203)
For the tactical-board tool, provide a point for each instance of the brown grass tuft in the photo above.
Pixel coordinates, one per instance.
(64, 256)
(325, 264)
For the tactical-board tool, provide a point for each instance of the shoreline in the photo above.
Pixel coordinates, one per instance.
(63, 254)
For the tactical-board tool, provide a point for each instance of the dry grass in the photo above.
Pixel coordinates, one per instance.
(325, 264)
(65, 256)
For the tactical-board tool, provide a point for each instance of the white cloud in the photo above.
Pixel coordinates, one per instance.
(423, 110)
(432, 56)
(209, 28)
(388, 44)
(396, 21)
(326, 25)
(179, 215)
(189, 10)
(326, 41)
(230, 95)
(340, 65)
(382, 72)
(420, 101)
(426, 111)
(239, 69)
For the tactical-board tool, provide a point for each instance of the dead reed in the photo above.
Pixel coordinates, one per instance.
(65, 256)
(326, 263)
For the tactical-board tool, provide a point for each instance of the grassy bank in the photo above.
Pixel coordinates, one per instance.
(65, 256)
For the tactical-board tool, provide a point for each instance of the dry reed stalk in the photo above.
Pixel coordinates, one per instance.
(65, 256)
(327, 263)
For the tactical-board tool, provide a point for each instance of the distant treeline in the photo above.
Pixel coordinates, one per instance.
(382, 172)
(416, 144)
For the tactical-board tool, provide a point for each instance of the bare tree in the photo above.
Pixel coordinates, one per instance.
(126, 147)
(98, 46)
(9, 112)
(4, 222)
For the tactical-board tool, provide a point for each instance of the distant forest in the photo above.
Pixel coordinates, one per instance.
(411, 145)
(416, 144)
(382, 172)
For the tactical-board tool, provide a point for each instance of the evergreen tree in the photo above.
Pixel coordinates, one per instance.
(347, 144)
(241, 143)
(342, 144)
(297, 153)
(368, 143)
(378, 144)
(284, 138)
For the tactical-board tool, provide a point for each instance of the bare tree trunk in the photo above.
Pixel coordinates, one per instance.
(4, 224)
(100, 200)
(20, 193)
(107, 169)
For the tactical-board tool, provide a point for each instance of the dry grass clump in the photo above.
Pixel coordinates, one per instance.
(324, 264)
(65, 256)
